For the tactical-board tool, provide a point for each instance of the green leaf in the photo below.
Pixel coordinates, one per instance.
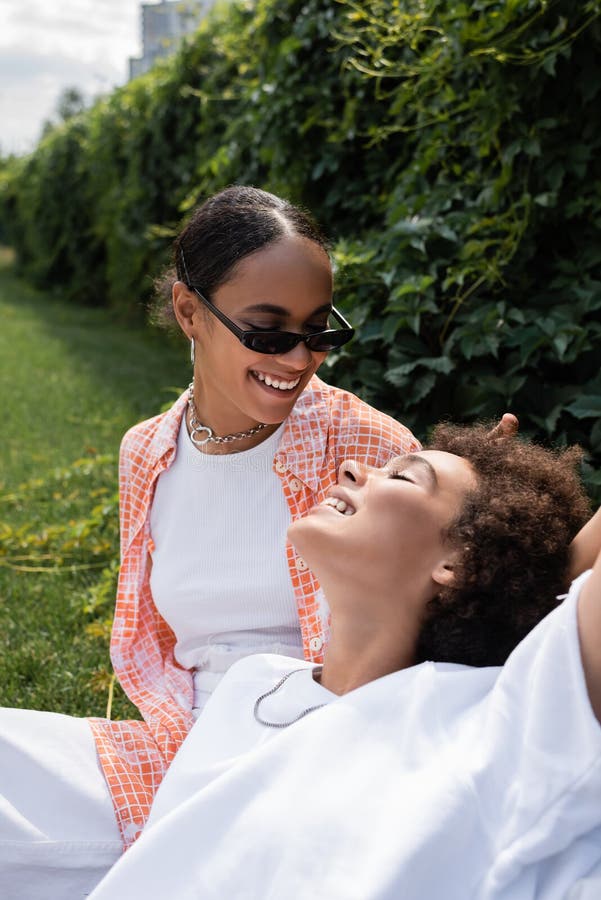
(586, 407)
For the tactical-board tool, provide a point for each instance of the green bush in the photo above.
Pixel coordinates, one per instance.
(483, 289)
(451, 149)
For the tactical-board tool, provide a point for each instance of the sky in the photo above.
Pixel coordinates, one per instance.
(48, 45)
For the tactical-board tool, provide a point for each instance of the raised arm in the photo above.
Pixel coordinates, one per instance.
(589, 630)
(586, 546)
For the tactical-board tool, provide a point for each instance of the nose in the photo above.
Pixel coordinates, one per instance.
(352, 472)
(299, 357)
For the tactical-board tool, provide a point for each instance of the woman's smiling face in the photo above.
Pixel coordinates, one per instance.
(387, 523)
(286, 286)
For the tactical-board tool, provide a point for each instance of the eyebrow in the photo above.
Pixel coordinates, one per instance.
(410, 460)
(274, 310)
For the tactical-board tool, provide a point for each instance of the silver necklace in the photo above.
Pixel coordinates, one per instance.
(273, 690)
(197, 427)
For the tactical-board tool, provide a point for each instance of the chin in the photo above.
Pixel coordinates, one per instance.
(293, 530)
(305, 536)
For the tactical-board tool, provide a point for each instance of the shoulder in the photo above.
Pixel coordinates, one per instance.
(141, 433)
(359, 429)
(549, 661)
(151, 438)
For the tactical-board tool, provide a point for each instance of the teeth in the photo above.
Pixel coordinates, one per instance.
(340, 505)
(276, 383)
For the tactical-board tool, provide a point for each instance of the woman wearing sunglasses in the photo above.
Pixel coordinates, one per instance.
(449, 748)
(209, 488)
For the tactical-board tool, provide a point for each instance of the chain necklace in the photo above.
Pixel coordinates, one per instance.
(197, 427)
(273, 690)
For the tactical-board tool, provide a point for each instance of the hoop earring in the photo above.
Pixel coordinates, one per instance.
(192, 351)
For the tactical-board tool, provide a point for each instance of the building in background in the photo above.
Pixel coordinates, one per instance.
(164, 25)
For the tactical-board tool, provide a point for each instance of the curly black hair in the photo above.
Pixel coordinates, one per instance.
(514, 529)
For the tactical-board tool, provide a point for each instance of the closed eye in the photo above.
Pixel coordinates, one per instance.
(421, 472)
(401, 476)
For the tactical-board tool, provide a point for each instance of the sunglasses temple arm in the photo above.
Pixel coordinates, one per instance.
(340, 318)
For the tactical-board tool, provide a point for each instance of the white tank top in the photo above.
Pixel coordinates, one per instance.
(219, 576)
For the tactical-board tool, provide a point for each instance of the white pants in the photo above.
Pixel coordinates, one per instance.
(58, 833)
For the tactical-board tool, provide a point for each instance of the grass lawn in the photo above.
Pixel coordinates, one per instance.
(72, 380)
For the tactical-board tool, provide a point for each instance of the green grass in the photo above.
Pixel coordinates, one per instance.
(72, 380)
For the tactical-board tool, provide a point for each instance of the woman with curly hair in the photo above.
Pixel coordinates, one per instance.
(449, 747)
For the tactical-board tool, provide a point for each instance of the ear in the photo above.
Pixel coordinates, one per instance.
(443, 573)
(185, 305)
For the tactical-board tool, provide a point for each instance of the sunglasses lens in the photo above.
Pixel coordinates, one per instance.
(278, 342)
(329, 340)
(272, 342)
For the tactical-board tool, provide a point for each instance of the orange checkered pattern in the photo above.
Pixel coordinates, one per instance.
(326, 426)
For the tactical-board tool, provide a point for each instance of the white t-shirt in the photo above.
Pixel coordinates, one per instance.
(219, 575)
(439, 782)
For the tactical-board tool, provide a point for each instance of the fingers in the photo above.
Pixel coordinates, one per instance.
(506, 429)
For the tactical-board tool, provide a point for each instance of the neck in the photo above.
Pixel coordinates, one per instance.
(223, 428)
(235, 446)
(359, 651)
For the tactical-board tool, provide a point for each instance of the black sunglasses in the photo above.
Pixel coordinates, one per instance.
(276, 342)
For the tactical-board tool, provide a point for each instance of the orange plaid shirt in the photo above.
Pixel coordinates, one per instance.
(326, 426)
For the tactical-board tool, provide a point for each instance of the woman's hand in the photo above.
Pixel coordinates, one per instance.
(506, 429)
